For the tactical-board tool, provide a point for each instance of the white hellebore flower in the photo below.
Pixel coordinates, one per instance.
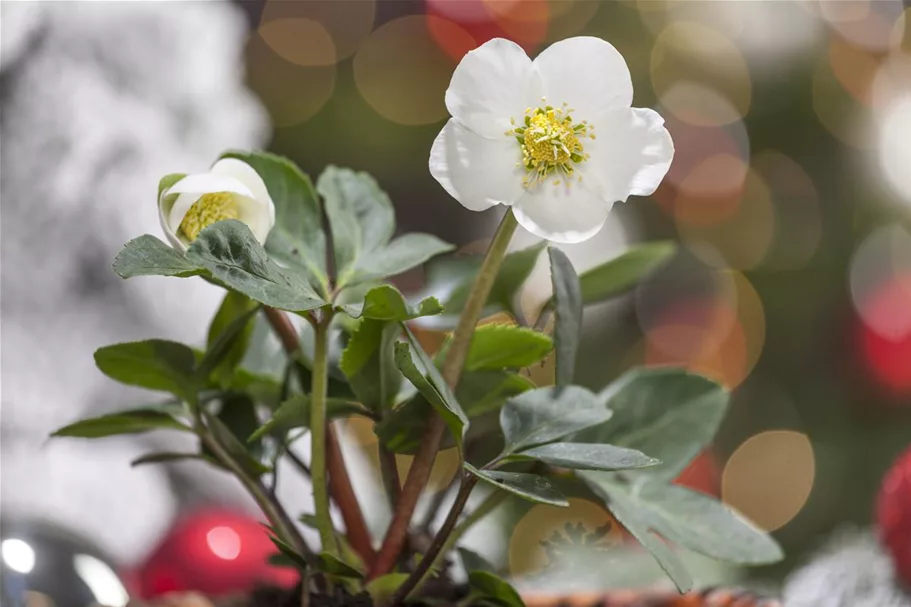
(231, 189)
(523, 134)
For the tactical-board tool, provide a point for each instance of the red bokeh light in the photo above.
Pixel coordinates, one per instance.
(702, 475)
(888, 357)
(215, 552)
(522, 21)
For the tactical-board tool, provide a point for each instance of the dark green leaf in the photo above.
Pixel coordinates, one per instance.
(501, 346)
(332, 565)
(624, 272)
(148, 256)
(238, 414)
(229, 336)
(531, 487)
(481, 392)
(472, 561)
(422, 372)
(233, 445)
(629, 516)
(385, 302)
(289, 553)
(154, 364)
(584, 456)
(232, 255)
(382, 588)
(360, 215)
(400, 255)
(548, 414)
(134, 421)
(494, 590)
(295, 413)
(669, 414)
(689, 518)
(401, 431)
(297, 237)
(368, 363)
(166, 457)
(568, 324)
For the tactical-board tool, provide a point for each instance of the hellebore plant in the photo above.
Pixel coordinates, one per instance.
(253, 225)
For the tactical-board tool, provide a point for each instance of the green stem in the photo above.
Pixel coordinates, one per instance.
(453, 364)
(318, 434)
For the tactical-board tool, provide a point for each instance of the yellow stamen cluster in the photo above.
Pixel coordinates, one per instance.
(550, 142)
(210, 208)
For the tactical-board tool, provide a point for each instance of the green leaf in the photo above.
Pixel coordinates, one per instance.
(548, 414)
(481, 392)
(689, 518)
(332, 565)
(360, 215)
(494, 590)
(624, 272)
(368, 363)
(154, 364)
(667, 413)
(167, 457)
(292, 556)
(135, 421)
(295, 413)
(382, 588)
(427, 379)
(472, 561)
(584, 456)
(402, 429)
(531, 487)
(229, 336)
(568, 324)
(629, 516)
(231, 442)
(502, 346)
(400, 255)
(385, 302)
(148, 256)
(297, 237)
(230, 252)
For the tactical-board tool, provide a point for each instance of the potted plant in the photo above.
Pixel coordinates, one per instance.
(524, 134)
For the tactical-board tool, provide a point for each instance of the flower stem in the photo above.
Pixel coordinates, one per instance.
(452, 372)
(340, 483)
(318, 435)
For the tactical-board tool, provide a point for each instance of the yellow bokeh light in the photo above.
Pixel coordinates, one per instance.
(838, 111)
(769, 477)
(526, 552)
(301, 41)
(291, 93)
(402, 72)
(697, 105)
(346, 23)
(567, 17)
(865, 23)
(688, 51)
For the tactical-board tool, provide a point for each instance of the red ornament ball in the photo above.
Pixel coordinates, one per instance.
(893, 515)
(215, 552)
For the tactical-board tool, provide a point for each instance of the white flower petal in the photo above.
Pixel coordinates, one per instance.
(180, 208)
(564, 212)
(631, 155)
(163, 218)
(476, 171)
(250, 212)
(205, 183)
(493, 83)
(247, 175)
(587, 73)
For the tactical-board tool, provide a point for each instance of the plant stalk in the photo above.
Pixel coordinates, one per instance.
(453, 364)
(319, 388)
(340, 486)
(439, 541)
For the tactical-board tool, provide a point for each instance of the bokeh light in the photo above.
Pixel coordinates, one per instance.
(290, 92)
(838, 110)
(894, 147)
(288, 25)
(880, 287)
(865, 23)
(300, 41)
(522, 21)
(403, 73)
(769, 477)
(888, 354)
(527, 555)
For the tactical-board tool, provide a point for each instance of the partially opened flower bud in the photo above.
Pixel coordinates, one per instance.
(231, 189)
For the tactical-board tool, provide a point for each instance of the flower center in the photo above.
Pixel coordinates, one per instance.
(550, 143)
(210, 208)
